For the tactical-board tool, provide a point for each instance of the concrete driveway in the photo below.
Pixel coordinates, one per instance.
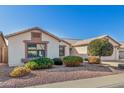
(113, 63)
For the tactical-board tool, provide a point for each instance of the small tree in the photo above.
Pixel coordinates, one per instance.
(100, 47)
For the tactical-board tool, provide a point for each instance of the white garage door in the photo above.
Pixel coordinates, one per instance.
(121, 54)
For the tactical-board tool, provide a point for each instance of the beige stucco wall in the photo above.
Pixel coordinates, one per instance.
(112, 42)
(79, 51)
(52, 47)
(16, 47)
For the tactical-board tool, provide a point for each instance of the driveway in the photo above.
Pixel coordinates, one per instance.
(4, 72)
(118, 85)
(113, 63)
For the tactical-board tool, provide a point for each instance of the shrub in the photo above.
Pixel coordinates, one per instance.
(19, 71)
(45, 63)
(94, 60)
(32, 65)
(72, 61)
(57, 61)
(85, 59)
(40, 63)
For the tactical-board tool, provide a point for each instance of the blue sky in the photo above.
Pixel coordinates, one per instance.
(65, 21)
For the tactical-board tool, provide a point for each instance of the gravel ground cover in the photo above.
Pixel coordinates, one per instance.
(55, 74)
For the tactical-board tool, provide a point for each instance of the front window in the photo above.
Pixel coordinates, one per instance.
(61, 50)
(36, 50)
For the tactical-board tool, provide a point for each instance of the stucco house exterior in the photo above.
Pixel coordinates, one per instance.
(79, 47)
(34, 42)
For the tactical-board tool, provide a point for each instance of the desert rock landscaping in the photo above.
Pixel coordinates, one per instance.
(55, 74)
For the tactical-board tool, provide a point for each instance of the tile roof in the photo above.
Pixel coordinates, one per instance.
(122, 44)
(86, 41)
(36, 28)
(71, 41)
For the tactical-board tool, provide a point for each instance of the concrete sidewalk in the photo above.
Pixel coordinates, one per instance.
(103, 82)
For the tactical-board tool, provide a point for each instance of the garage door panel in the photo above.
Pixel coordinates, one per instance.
(121, 54)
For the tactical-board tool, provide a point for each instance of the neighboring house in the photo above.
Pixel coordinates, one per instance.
(34, 42)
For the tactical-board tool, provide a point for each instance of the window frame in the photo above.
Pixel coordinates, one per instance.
(37, 50)
(63, 52)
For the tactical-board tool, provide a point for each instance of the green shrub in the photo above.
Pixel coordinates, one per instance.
(41, 63)
(58, 61)
(72, 61)
(85, 59)
(19, 71)
(45, 63)
(32, 65)
(94, 60)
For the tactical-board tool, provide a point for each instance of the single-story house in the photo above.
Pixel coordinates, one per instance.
(31, 43)
(79, 47)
